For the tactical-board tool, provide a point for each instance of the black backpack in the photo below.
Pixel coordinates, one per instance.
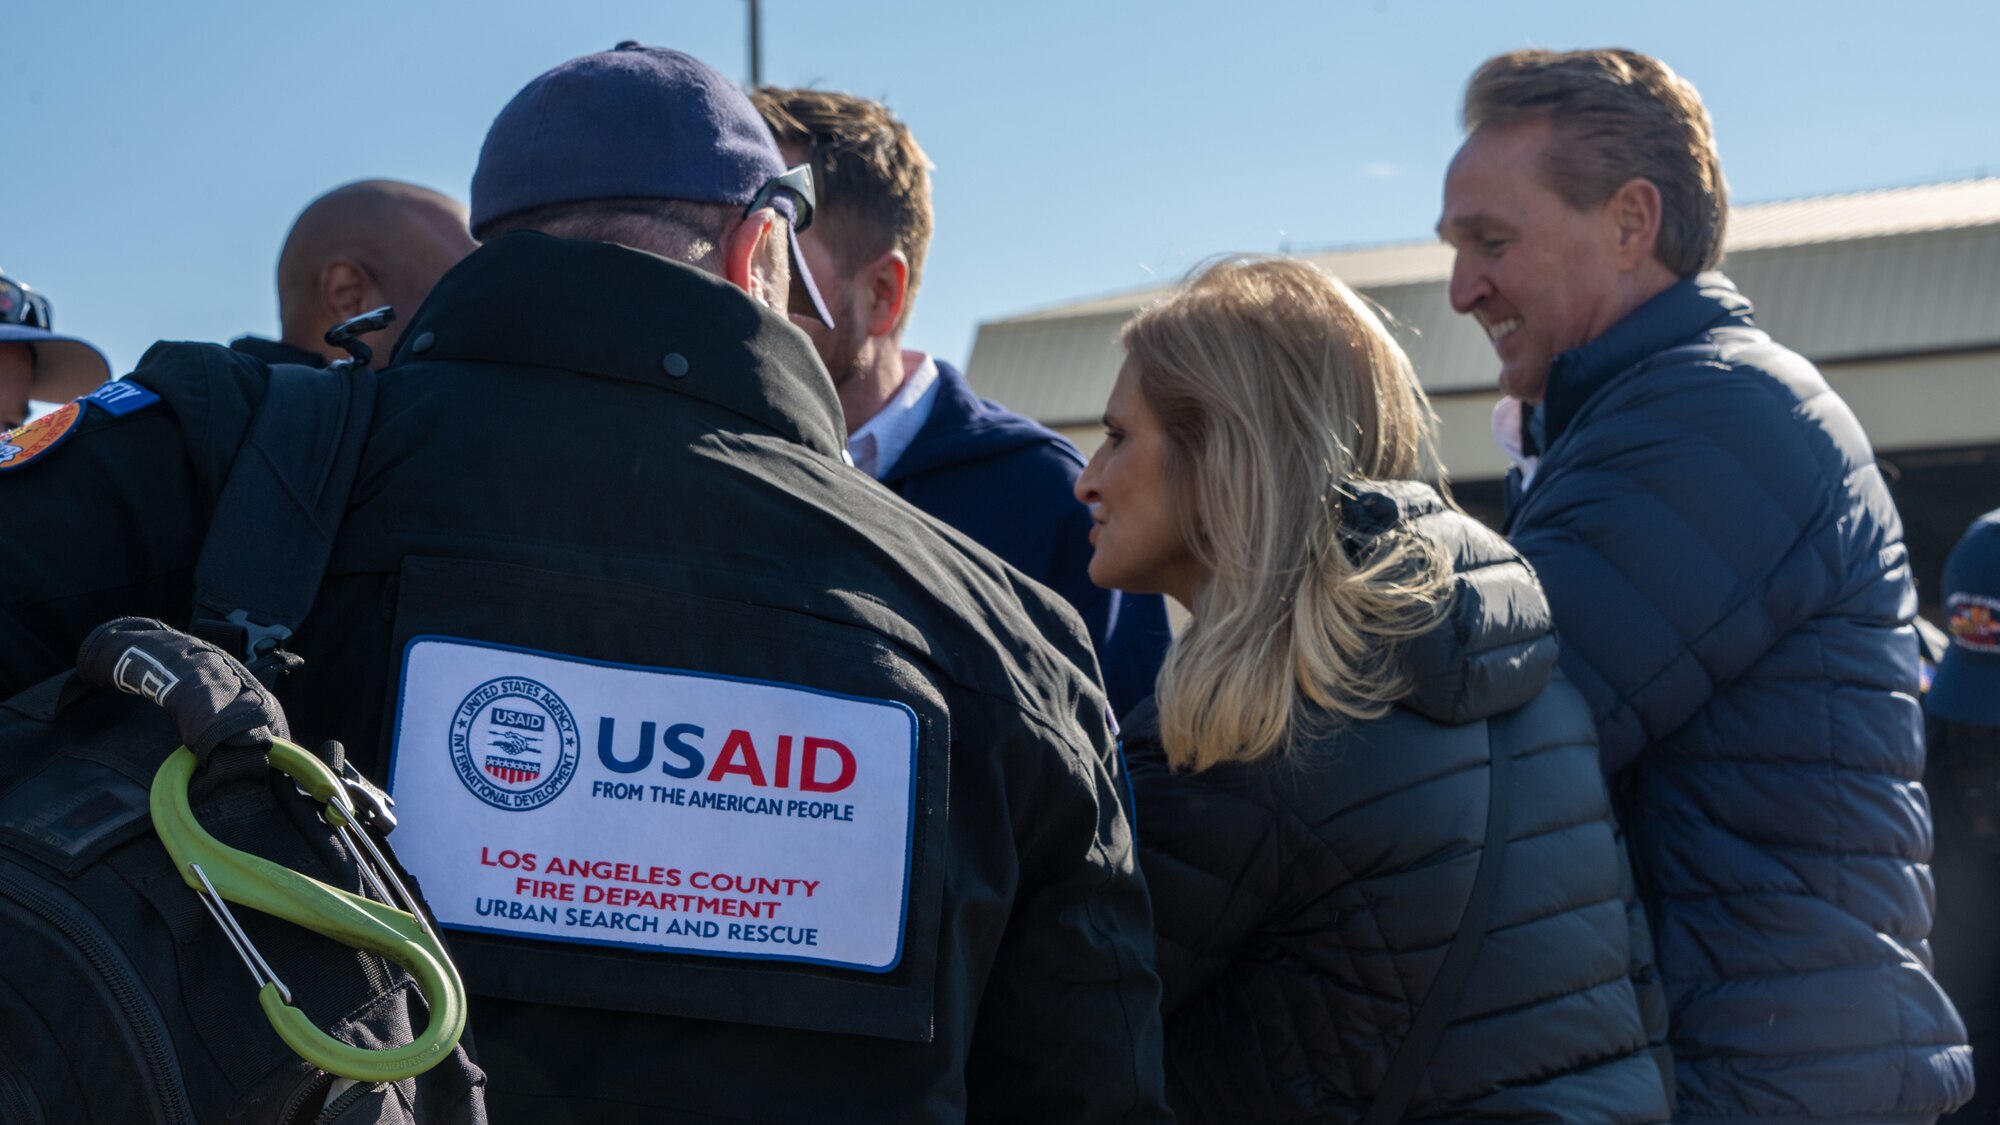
(124, 995)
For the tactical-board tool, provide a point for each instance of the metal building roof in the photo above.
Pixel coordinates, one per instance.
(1836, 277)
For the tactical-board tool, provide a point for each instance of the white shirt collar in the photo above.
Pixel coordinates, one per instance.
(881, 440)
(1507, 416)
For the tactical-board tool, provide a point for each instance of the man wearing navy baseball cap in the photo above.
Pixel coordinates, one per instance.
(1962, 775)
(745, 791)
(1966, 688)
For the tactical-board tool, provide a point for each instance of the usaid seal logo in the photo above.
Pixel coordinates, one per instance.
(514, 743)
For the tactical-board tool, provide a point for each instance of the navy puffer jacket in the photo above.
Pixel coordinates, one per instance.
(1734, 600)
(1304, 904)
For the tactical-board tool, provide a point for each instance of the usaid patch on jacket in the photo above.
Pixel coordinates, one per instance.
(548, 796)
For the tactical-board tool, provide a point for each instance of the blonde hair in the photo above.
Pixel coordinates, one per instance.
(1277, 387)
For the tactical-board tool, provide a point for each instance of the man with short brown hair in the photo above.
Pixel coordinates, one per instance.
(1729, 580)
(913, 422)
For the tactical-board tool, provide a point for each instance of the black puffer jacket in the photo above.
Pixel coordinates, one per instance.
(1304, 905)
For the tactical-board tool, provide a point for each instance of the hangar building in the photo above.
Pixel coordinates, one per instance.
(1894, 294)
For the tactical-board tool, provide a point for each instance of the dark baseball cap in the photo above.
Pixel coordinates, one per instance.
(1966, 688)
(635, 122)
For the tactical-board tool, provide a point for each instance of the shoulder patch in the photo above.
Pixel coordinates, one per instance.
(1974, 622)
(122, 397)
(21, 445)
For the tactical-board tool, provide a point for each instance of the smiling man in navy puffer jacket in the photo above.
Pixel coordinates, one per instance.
(1732, 592)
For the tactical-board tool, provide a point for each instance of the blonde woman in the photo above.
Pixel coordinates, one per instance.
(1358, 750)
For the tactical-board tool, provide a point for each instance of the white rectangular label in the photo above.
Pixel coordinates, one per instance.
(547, 796)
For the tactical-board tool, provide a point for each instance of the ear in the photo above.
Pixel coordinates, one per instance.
(346, 289)
(888, 279)
(747, 259)
(1635, 208)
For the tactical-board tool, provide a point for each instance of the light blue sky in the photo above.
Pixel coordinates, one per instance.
(152, 155)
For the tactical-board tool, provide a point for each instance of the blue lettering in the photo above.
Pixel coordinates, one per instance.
(680, 747)
(774, 935)
(516, 911)
(606, 728)
(610, 920)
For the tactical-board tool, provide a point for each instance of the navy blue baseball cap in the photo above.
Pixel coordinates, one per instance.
(638, 122)
(1966, 688)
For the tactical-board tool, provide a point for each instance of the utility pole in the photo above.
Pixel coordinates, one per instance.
(756, 48)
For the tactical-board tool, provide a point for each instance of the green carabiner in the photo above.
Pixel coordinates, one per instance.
(218, 872)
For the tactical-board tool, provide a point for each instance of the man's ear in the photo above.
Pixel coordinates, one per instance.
(754, 259)
(888, 279)
(1635, 207)
(346, 289)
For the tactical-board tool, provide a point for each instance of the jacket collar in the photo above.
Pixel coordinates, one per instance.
(527, 299)
(1683, 310)
(275, 351)
(1142, 722)
(963, 427)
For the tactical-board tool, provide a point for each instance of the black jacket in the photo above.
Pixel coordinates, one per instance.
(641, 468)
(1305, 904)
(1009, 482)
(275, 351)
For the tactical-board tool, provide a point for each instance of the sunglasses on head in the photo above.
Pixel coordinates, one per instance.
(795, 183)
(22, 305)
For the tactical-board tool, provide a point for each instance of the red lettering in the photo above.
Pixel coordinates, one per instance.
(508, 858)
(739, 745)
(809, 773)
(545, 888)
(784, 760)
(609, 870)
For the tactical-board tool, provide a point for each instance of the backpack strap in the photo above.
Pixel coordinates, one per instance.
(272, 532)
(1413, 1057)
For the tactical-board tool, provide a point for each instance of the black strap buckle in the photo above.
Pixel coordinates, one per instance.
(235, 633)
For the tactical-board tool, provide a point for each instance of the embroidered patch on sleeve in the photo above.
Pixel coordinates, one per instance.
(24, 444)
(1975, 622)
(122, 397)
(654, 808)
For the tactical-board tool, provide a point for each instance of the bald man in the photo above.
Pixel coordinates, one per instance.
(356, 248)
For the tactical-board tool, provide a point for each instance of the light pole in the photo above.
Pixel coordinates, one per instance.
(756, 48)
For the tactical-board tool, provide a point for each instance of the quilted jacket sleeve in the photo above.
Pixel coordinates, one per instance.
(1676, 530)
(1644, 970)
(1205, 848)
(1068, 1026)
